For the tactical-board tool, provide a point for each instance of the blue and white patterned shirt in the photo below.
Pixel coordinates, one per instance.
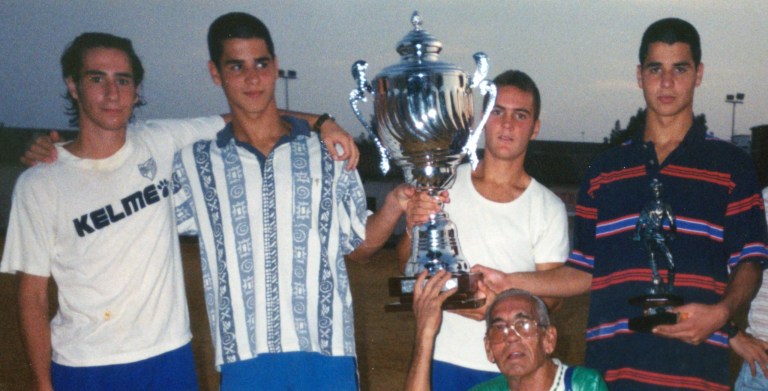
(273, 234)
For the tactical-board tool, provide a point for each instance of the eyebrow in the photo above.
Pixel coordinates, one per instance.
(677, 64)
(239, 61)
(515, 110)
(93, 72)
(519, 315)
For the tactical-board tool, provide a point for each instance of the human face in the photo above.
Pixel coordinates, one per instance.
(510, 126)
(106, 92)
(668, 78)
(247, 74)
(519, 356)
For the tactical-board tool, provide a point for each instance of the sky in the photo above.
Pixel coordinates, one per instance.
(582, 54)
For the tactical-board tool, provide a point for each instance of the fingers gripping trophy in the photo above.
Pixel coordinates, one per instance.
(424, 110)
(650, 230)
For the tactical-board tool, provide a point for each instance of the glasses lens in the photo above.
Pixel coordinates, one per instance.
(498, 332)
(525, 327)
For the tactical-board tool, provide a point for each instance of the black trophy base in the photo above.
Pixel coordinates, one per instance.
(402, 288)
(655, 311)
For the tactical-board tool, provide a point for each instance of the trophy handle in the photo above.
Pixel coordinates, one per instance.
(358, 94)
(486, 88)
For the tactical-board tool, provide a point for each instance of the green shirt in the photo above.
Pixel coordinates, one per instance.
(566, 379)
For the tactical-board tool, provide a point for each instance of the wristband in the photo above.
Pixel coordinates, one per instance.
(321, 120)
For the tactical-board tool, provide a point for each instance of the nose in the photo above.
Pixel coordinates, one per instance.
(252, 75)
(666, 78)
(112, 91)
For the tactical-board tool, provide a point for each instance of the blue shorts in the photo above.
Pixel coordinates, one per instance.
(291, 371)
(747, 382)
(448, 377)
(173, 371)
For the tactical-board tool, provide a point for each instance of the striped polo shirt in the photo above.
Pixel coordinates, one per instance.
(713, 192)
(273, 234)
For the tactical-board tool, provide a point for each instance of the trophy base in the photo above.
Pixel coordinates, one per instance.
(655, 311)
(402, 288)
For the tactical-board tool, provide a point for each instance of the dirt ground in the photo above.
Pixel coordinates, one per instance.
(384, 339)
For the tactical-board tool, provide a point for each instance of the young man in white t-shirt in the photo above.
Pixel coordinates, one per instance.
(506, 220)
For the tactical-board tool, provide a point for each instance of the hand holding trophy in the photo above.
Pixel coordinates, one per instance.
(424, 112)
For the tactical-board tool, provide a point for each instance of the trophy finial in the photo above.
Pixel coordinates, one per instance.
(416, 21)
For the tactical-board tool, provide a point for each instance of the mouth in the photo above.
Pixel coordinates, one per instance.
(666, 99)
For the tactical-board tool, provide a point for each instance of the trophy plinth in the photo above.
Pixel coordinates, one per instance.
(655, 311)
(423, 120)
(466, 284)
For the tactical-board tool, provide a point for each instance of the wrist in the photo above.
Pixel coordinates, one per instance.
(321, 120)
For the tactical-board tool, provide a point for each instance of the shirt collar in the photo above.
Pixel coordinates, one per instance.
(299, 127)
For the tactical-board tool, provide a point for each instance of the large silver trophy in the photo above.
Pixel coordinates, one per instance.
(650, 231)
(424, 112)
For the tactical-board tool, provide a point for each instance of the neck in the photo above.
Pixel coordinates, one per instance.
(261, 131)
(667, 133)
(540, 380)
(503, 172)
(500, 181)
(93, 143)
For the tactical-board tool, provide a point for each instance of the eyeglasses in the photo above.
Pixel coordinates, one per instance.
(524, 328)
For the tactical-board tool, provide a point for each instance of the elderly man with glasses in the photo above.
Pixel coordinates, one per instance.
(519, 339)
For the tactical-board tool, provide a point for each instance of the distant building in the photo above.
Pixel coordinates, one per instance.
(759, 152)
(743, 141)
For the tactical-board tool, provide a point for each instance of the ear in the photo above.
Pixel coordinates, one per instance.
(214, 71)
(550, 340)
(71, 86)
(488, 351)
(640, 75)
(699, 73)
(536, 127)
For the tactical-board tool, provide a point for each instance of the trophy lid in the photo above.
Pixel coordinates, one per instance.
(418, 43)
(419, 53)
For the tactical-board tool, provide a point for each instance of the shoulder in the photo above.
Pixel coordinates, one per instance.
(721, 151)
(496, 383)
(544, 194)
(584, 378)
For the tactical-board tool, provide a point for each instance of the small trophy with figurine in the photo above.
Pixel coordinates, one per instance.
(654, 229)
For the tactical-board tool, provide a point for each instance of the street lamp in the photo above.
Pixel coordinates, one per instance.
(735, 100)
(286, 74)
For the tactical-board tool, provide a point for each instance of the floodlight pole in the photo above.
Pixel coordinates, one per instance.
(734, 99)
(286, 74)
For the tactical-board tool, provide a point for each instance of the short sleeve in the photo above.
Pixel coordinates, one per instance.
(30, 239)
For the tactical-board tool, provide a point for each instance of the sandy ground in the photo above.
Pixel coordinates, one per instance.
(384, 339)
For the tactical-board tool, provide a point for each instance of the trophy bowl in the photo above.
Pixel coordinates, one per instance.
(424, 111)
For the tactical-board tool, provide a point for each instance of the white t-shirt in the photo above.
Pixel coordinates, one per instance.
(511, 237)
(105, 231)
(758, 310)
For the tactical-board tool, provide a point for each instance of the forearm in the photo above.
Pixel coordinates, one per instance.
(404, 247)
(35, 328)
(560, 282)
(419, 373)
(378, 228)
(741, 289)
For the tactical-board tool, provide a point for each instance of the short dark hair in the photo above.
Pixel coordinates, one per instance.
(72, 64)
(521, 81)
(539, 307)
(236, 25)
(671, 31)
